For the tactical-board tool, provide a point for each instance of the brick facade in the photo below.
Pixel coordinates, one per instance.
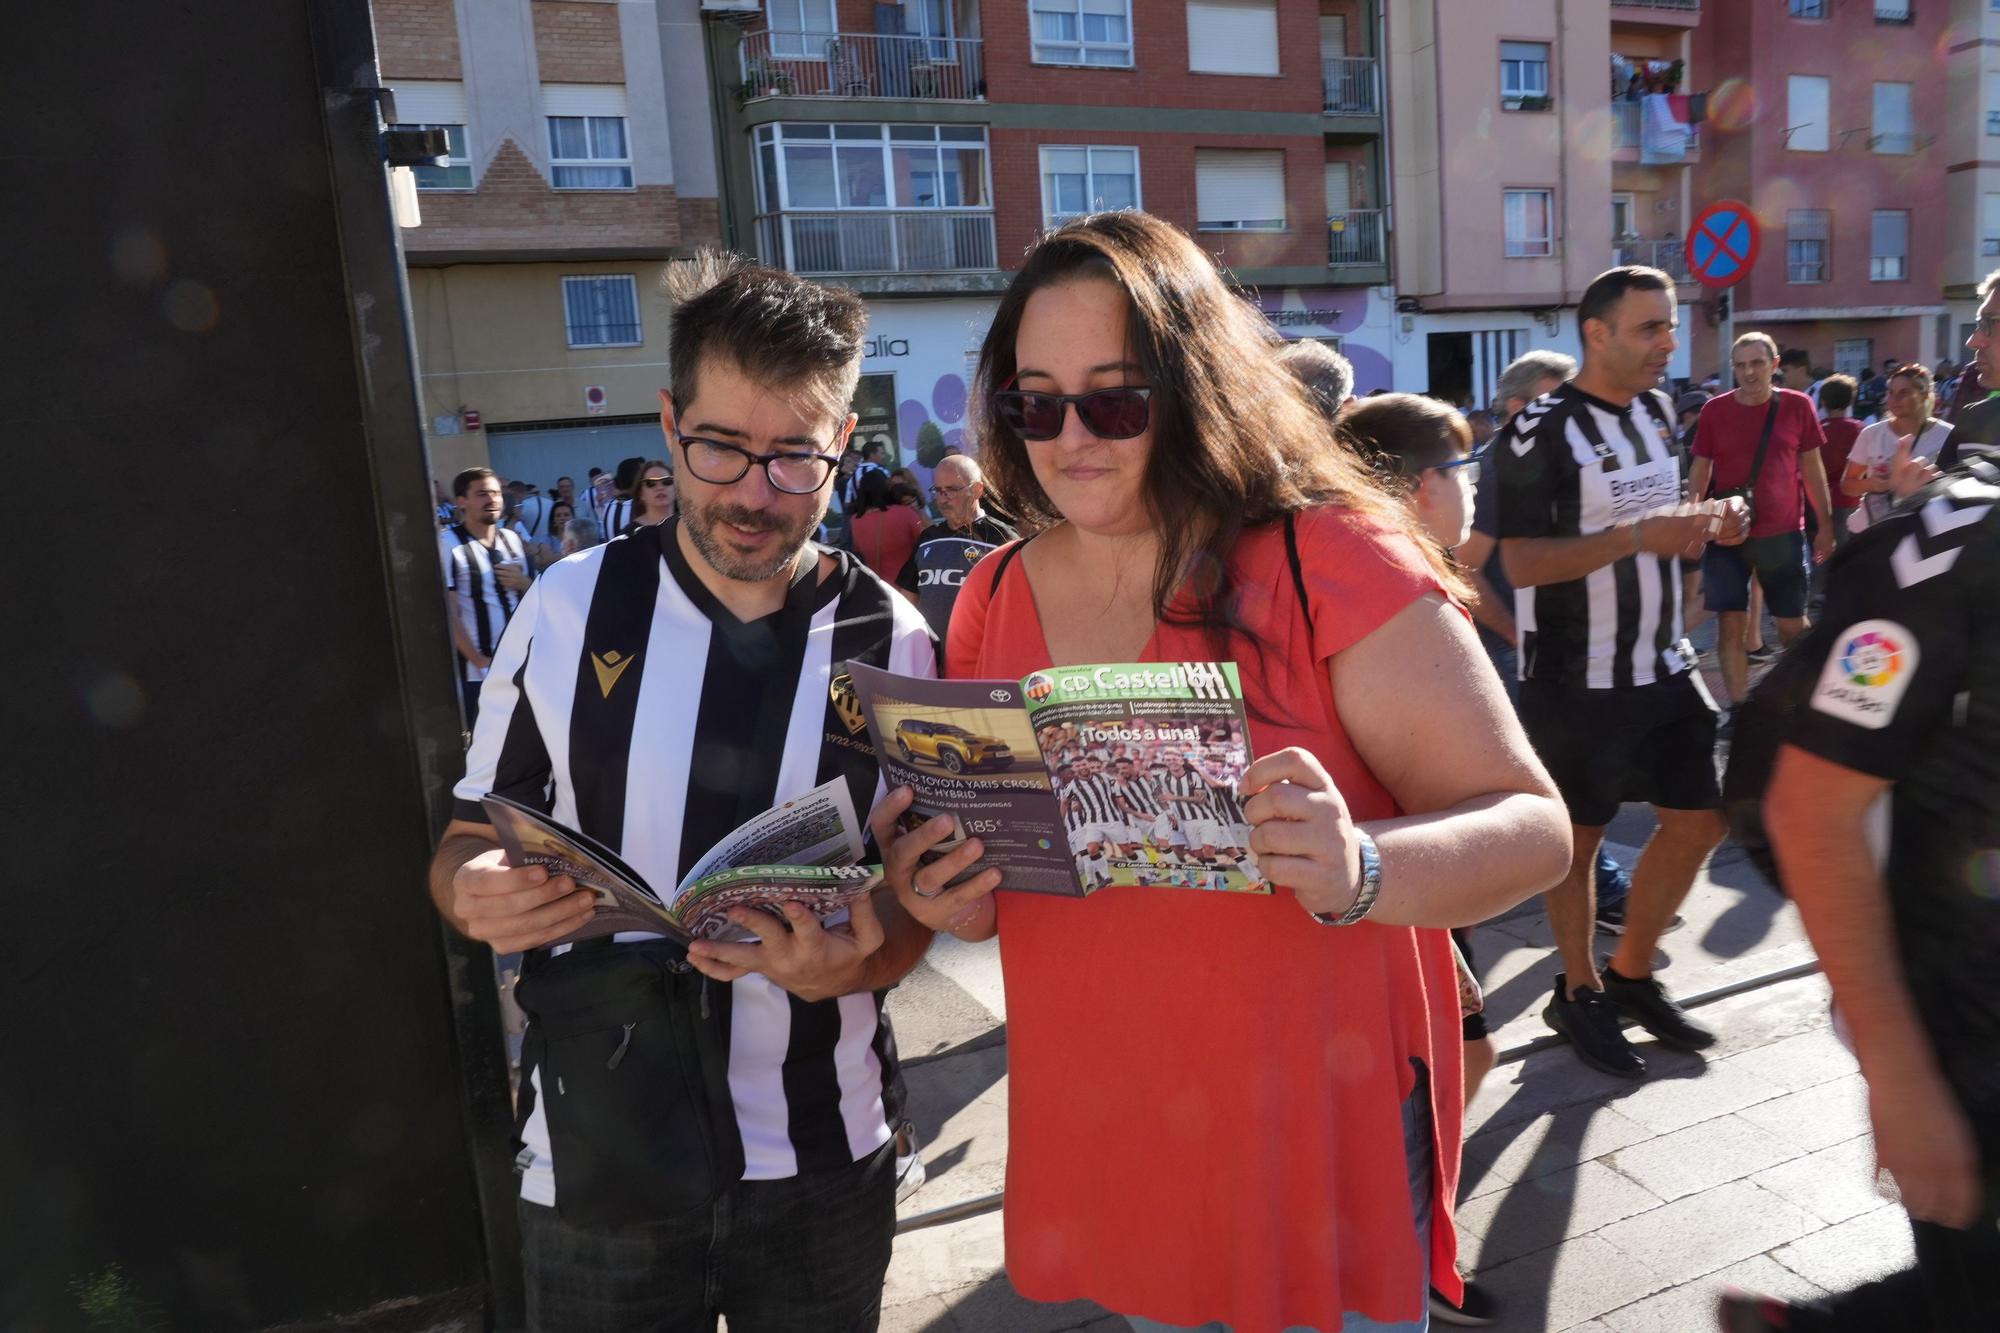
(700, 221)
(514, 209)
(417, 39)
(576, 41)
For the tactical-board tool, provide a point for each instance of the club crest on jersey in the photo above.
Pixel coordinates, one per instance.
(1867, 673)
(847, 703)
(610, 666)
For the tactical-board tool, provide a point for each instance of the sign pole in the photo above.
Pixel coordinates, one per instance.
(1721, 247)
(1728, 339)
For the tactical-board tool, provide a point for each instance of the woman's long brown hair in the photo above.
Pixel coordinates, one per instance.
(1236, 445)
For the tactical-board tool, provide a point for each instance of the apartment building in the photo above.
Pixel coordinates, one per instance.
(581, 161)
(914, 150)
(1970, 142)
(1519, 176)
(1836, 124)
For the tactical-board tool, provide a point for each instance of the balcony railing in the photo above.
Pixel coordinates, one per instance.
(1626, 120)
(1689, 6)
(918, 241)
(858, 64)
(1667, 256)
(1352, 88)
(1356, 238)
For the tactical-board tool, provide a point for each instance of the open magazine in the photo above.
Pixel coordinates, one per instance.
(802, 851)
(1077, 778)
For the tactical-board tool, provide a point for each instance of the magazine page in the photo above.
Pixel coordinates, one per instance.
(1145, 758)
(818, 828)
(828, 891)
(965, 748)
(624, 901)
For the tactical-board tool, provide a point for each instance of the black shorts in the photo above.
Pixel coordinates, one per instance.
(1782, 564)
(1652, 743)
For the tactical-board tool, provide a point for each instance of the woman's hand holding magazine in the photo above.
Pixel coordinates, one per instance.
(964, 910)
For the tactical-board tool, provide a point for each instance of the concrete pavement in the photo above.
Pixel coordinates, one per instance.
(1590, 1205)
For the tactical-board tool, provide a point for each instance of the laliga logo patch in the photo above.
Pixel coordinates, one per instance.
(1865, 677)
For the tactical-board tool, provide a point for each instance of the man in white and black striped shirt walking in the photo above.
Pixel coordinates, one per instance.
(654, 692)
(486, 572)
(1592, 527)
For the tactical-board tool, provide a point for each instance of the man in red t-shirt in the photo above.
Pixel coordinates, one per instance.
(1725, 449)
(1837, 423)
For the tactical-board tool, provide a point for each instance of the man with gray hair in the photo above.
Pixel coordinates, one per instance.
(1327, 375)
(948, 548)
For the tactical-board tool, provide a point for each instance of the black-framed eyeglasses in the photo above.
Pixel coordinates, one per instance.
(719, 464)
(1454, 464)
(1110, 414)
(951, 490)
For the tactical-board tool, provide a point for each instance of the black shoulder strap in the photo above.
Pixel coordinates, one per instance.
(1000, 563)
(1298, 569)
(1764, 442)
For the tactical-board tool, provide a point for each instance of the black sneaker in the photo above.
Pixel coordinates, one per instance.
(1646, 1002)
(1591, 1024)
(1479, 1308)
(1611, 919)
(1768, 653)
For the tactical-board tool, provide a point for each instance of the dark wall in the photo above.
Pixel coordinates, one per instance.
(227, 1055)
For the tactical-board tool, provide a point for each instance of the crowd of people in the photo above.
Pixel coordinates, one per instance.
(1459, 657)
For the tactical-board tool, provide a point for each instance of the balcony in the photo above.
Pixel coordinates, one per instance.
(858, 64)
(1352, 86)
(1357, 239)
(1669, 257)
(1625, 123)
(873, 241)
(1685, 6)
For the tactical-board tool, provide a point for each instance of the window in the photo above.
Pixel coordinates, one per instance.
(1084, 180)
(1239, 189)
(1892, 11)
(1232, 36)
(1524, 76)
(1808, 239)
(1806, 102)
(1806, 9)
(1624, 218)
(847, 167)
(437, 105)
(1082, 32)
(602, 312)
(587, 144)
(1530, 223)
(1889, 246)
(1993, 101)
(1851, 356)
(801, 27)
(1989, 229)
(932, 19)
(1892, 129)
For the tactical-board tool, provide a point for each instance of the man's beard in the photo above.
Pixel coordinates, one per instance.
(701, 524)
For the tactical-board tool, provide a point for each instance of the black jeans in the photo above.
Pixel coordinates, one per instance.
(1949, 1290)
(804, 1255)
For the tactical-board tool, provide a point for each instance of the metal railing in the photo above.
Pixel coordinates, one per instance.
(1626, 121)
(859, 64)
(917, 241)
(1356, 237)
(1352, 86)
(1687, 6)
(1670, 257)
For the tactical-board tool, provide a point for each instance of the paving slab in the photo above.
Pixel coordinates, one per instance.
(1703, 1156)
(1691, 1308)
(1833, 1184)
(1858, 1250)
(1566, 1285)
(1497, 1157)
(1702, 1233)
(1818, 1117)
(1547, 1210)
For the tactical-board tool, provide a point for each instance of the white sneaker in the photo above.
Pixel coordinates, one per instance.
(909, 1162)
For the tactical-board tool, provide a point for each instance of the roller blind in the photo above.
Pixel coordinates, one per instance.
(1338, 188)
(1239, 185)
(1332, 36)
(429, 102)
(1233, 36)
(583, 99)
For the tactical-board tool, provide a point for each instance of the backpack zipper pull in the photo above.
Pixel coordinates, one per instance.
(623, 1042)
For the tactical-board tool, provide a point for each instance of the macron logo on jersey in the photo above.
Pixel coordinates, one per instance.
(1865, 677)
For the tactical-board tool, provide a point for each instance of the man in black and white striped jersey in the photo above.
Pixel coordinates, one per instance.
(1592, 524)
(654, 692)
(486, 572)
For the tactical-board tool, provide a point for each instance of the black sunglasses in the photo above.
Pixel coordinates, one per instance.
(658, 481)
(1109, 414)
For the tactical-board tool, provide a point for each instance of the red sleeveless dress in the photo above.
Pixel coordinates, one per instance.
(1205, 1090)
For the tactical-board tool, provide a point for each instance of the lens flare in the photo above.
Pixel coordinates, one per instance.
(1732, 105)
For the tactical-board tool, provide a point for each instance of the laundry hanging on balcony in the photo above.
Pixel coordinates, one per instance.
(1664, 127)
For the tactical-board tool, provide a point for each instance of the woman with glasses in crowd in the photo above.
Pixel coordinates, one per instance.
(1908, 432)
(1234, 1109)
(548, 548)
(652, 496)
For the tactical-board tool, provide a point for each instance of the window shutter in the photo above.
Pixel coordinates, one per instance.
(1339, 188)
(1233, 36)
(583, 99)
(430, 103)
(1237, 185)
(1806, 112)
(1332, 36)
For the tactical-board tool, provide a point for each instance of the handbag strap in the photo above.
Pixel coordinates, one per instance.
(1763, 443)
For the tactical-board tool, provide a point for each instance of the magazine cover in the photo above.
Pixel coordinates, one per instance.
(803, 850)
(1081, 778)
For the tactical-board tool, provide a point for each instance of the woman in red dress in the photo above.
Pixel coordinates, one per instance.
(1229, 1107)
